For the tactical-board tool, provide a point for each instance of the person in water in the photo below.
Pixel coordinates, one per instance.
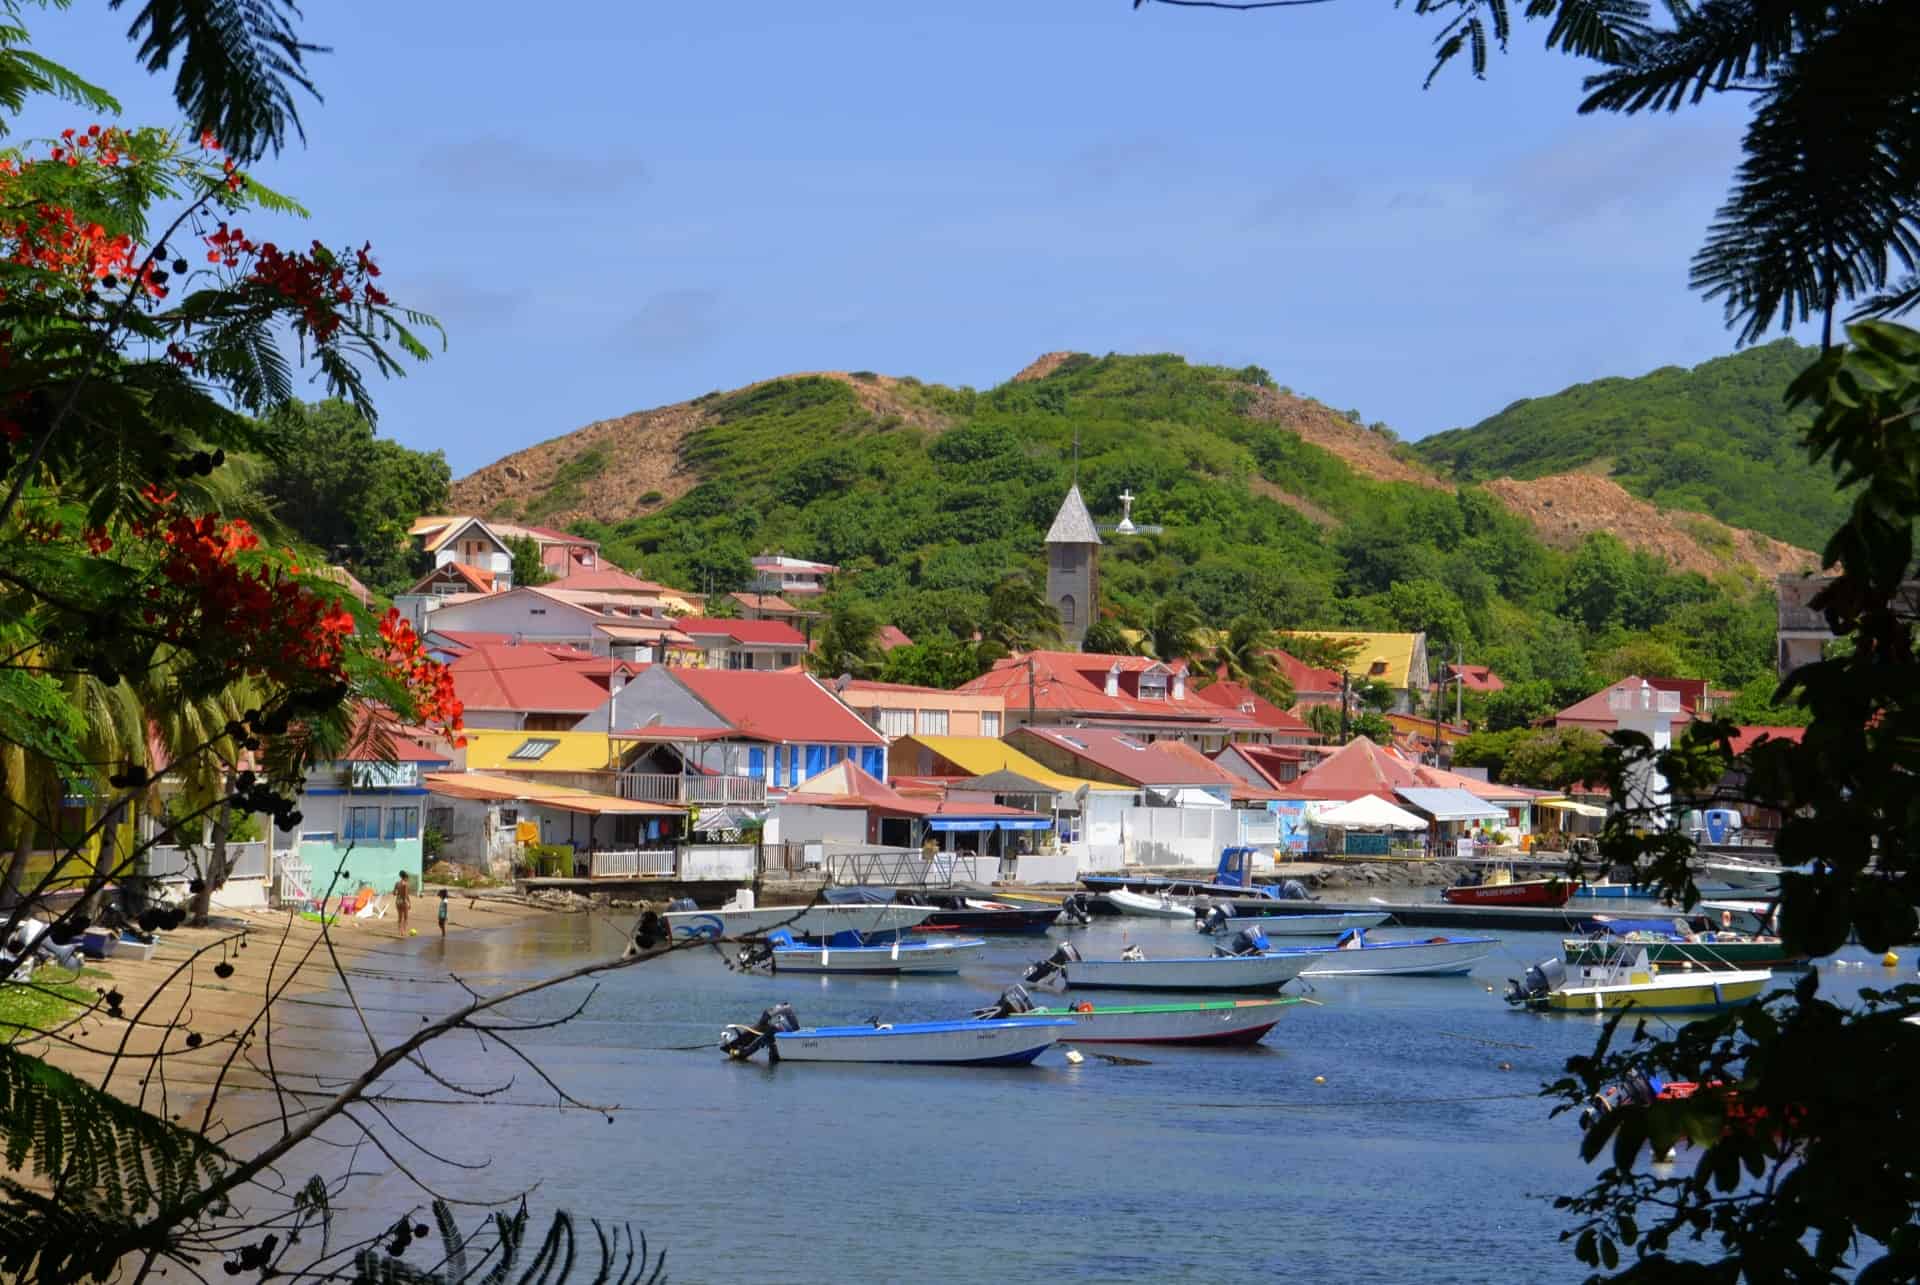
(443, 914)
(402, 901)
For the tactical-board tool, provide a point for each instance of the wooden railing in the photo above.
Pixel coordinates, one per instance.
(633, 864)
(666, 787)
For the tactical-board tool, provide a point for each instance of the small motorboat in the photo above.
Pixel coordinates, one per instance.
(1610, 890)
(1150, 905)
(1358, 955)
(949, 911)
(1744, 916)
(1758, 876)
(1233, 877)
(1500, 888)
(1221, 918)
(851, 954)
(1627, 978)
(1003, 1042)
(692, 924)
(1197, 1022)
(1245, 966)
(1678, 941)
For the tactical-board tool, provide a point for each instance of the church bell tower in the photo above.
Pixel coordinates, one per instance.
(1073, 567)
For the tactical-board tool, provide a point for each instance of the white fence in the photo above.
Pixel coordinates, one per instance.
(1192, 836)
(244, 861)
(633, 864)
(731, 862)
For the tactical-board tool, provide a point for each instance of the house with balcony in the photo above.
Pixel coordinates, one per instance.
(730, 736)
(449, 538)
(362, 817)
(486, 820)
(744, 644)
(604, 622)
(776, 573)
(902, 709)
(452, 578)
(1685, 698)
(539, 687)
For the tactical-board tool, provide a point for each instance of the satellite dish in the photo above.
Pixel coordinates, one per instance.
(1126, 524)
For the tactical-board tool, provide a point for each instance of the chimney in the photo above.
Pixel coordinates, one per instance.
(1113, 679)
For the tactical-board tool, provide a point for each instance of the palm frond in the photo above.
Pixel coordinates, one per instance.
(240, 62)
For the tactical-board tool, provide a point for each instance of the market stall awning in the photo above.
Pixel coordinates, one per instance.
(1369, 812)
(997, 822)
(1450, 805)
(1571, 805)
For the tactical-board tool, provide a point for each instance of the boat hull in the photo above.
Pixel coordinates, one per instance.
(802, 921)
(1741, 874)
(1703, 992)
(1702, 954)
(1010, 920)
(1527, 892)
(1006, 1042)
(1200, 973)
(905, 958)
(1405, 958)
(1141, 906)
(1206, 1023)
(1325, 925)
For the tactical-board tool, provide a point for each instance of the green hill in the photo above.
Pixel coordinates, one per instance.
(1273, 506)
(1715, 439)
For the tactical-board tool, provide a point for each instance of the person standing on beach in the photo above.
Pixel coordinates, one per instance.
(402, 901)
(443, 914)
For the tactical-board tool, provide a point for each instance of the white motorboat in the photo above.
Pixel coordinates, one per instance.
(1204, 1022)
(1150, 905)
(1358, 955)
(1220, 919)
(847, 953)
(804, 921)
(1626, 979)
(1736, 873)
(974, 1042)
(1241, 969)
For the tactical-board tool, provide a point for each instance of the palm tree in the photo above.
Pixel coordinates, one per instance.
(1244, 655)
(1172, 629)
(1105, 637)
(203, 759)
(848, 644)
(1019, 617)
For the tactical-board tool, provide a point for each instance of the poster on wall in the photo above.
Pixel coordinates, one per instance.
(1292, 817)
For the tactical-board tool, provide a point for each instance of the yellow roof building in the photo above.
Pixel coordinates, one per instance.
(979, 755)
(493, 750)
(1398, 660)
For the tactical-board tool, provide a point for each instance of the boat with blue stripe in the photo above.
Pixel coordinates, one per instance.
(852, 954)
(1013, 1041)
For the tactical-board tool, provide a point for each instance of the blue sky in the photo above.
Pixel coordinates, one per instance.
(612, 207)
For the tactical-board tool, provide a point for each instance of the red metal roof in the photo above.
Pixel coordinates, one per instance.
(892, 636)
(1307, 680)
(1135, 760)
(762, 632)
(777, 705)
(1750, 736)
(1356, 769)
(533, 678)
(1267, 760)
(765, 602)
(602, 579)
(1594, 711)
(1075, 682)
(1478, 678)
(1251, 703)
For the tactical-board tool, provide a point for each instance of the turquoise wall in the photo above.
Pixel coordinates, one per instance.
(379, 862)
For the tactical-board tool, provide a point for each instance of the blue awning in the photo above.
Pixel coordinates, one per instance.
(988, 823)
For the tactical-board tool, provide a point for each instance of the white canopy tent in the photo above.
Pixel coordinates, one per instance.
(1369, 812)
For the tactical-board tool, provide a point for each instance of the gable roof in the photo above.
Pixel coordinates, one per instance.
(1243, 698)
(1597, 710)
(474, 578)
(565, 798)
(776, 705)
(1357, 768)
(984, 755)
(1307, 680)
(1478, 678)
(772, 602)
(532, 677)
(602, 578)
(1130, 759)
(891, 636)
(440, 530)
(1073, 524)
(1387, 657)
(767, 633)
(1267, 761)
(1075, 683)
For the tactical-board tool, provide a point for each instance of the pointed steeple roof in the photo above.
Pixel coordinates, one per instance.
(1073, 524)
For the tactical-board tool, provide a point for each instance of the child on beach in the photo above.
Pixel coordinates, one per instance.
(402, 901)
(443, 914)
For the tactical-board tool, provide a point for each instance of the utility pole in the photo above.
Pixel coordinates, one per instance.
(1030, 689)
(1344, 679)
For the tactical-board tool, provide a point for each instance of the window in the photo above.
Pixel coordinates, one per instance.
(441, 819)
(1066, 609)
(989, 724)
(363, 823)
(895, 722)
(533, 749)
(509, 818)
(536, 611)
(933, 722)
(403, 823)
(1153, 687)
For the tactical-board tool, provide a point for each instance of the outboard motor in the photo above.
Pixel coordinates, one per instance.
(682, 903)
(1541, 980)
(1054, 964)
(1215, 920)
(1634, 1090)
(1248, 941)
(1294, 890)
(742, 1042)
(1076, 910)
(1013, 1001)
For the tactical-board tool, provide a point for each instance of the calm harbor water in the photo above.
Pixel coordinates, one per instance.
(1419, 1158)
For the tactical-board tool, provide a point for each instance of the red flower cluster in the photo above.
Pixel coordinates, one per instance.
(317, 282)
(428, 682)
(108, 146)
(54, 239)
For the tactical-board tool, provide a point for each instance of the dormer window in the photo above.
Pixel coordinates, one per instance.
(1153, 687)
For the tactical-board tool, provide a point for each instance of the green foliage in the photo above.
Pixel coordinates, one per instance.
(502, 1254)
(1545, 758)
(349, 493)
(528, 569)
(88, 1160)
(1106, 637)
(936, 662)
(848, 643)
(1715, 439)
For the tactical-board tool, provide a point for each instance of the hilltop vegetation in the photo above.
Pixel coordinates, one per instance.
(931, 505)
(1715, 439)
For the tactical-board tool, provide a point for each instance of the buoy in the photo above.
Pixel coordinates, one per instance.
(1506, 1066)
(1890, 959)
(1489, 990)
(1074, 1057)
(1319, 1079)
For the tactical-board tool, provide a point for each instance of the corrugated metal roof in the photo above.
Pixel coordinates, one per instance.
(1451, 805)
(479, 785)
(492, 749)
(981, 755)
